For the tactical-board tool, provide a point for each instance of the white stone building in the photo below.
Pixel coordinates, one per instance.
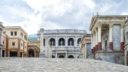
(61, 43)
(108, 37)
(1, 44)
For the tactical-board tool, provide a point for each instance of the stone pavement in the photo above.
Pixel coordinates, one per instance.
(58, 65)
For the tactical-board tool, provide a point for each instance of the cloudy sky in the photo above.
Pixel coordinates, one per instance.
(57, 14)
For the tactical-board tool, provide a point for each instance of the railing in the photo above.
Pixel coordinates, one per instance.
(65, 48)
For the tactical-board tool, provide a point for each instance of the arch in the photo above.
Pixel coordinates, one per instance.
(30, 53)
(71, 42)
(78, 41)
(70, 56)
(61, 56)
(52, 42)
(53, 56)
(61, 42)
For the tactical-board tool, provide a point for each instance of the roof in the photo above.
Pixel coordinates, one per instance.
(94, 18)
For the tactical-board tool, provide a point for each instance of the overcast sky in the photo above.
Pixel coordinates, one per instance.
(57, 14)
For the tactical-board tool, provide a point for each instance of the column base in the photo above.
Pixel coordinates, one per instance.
(99, 46)
(111, 45)
(122, 46)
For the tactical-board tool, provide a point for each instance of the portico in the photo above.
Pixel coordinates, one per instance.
(108, 37)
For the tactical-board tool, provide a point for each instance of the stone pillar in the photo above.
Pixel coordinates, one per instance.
(110, 37)
(66, 41)
(41, 42)
(125, 56)
(122, 38)
(92, 40)
(99, 38)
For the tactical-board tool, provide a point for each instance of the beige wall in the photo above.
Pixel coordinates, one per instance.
(20, 41)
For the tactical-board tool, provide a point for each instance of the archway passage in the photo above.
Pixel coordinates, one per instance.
(13, 54)
(30, 53)
(61, 56)
(53, 56)
(70, 56)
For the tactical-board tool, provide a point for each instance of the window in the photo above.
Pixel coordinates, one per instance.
(3, 42)
(43, 42)
(11, 33)
(78, 41)
(21, 34)
(52, 42)
(61, 42)
(13, 43)
(15, 33)
(71, 42)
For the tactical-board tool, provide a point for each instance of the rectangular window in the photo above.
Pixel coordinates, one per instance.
(13, 43)
(43, 42)
(15, 33)
(11, 33)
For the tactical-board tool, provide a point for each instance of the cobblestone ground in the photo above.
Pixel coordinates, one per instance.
(58, 65)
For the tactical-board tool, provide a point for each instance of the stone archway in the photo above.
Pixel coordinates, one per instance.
(61, 56)
(13, 54)
(70, 56)
(30, 53)
(53, 56)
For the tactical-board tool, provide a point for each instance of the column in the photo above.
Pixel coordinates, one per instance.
(41, 42)
(57, 38)
(122, 38)
(66, 41)
(110, 37)
(92, 41)
(99, 38)
(125, 57)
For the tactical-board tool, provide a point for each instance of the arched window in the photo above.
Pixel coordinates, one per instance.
(78, 41)
(61, 42)
(71, 42)
(52, 42)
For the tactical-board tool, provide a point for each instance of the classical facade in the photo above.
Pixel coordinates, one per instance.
(1, 44)
(108, 37)
(85, 46)
(15, 42)
(61, 43)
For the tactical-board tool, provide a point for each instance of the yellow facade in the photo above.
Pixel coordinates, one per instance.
(15, 41)
(33, 48)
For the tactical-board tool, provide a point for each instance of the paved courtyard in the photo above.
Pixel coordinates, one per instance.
(58, 65)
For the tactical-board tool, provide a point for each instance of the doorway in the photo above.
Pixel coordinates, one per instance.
(13, 54)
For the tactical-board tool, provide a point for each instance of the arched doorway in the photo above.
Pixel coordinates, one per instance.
(70, 56)
(53, 56)
(30, 53)
(61, 56)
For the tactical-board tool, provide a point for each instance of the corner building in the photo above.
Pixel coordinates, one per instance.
(108, 37)
(15, 41)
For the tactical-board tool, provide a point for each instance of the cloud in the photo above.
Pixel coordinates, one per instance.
(57, 14)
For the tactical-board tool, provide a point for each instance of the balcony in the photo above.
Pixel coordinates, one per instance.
(65, 48)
